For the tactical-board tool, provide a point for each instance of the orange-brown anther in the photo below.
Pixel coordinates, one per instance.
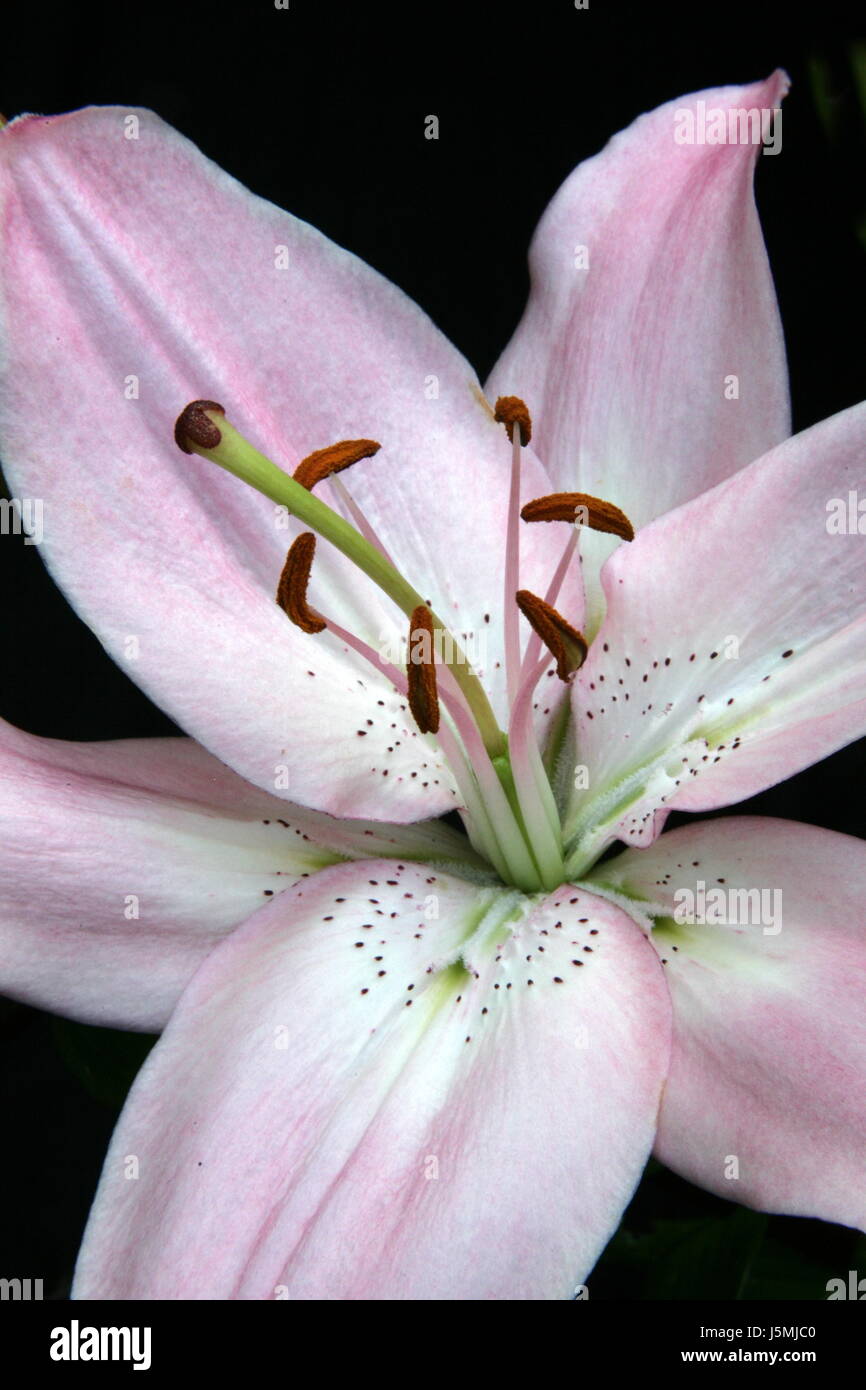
(421, 671)
(566, 644)
(292, 588)
(193, 424)
(511, 411)
(321, 464)
(581, 508)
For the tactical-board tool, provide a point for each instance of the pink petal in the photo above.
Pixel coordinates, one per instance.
(358, 1100)
(769, 1063)
(137, 265)
(735, 641)
(624, 364)
(125, 863)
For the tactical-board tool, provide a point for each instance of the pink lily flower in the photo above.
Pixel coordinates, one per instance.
(400, 1061)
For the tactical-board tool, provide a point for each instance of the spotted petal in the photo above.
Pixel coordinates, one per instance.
(358, 1098)
(734, 650)
(125, 863)
(766, 1098)
(137, 276)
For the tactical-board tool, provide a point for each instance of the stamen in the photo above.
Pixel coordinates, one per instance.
(511, 411)
(493, 820)
(582, 510)
(292, 588)
(540, 814)
(533, 649)
(324, 462)
(421, 671)
(194, 425)
(567, 645)
(353, 511)
(510, 812)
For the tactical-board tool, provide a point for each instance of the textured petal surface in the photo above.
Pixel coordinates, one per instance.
(766, 1098)
(650, 290)
(358, 1099)
(124, 863)
(734, 651)
(138, 276)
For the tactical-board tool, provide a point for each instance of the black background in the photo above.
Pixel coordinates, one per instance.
(321, 108)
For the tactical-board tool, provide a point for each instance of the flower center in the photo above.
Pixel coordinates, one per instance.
(509, 809)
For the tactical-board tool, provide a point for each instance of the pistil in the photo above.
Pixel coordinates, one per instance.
(203, 429)
(510, 810)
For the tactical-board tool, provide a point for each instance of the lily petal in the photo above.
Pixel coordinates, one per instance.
(138, 276)
(766, 1098)
(125, 863)
(651, 290)
(720, 670)
(357, 1099)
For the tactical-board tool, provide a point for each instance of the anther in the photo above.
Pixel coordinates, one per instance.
(566, 644)
(195, 425)
(421, 671)
(292, 588)
(323, 462)
(511, 411)
(580, 509)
